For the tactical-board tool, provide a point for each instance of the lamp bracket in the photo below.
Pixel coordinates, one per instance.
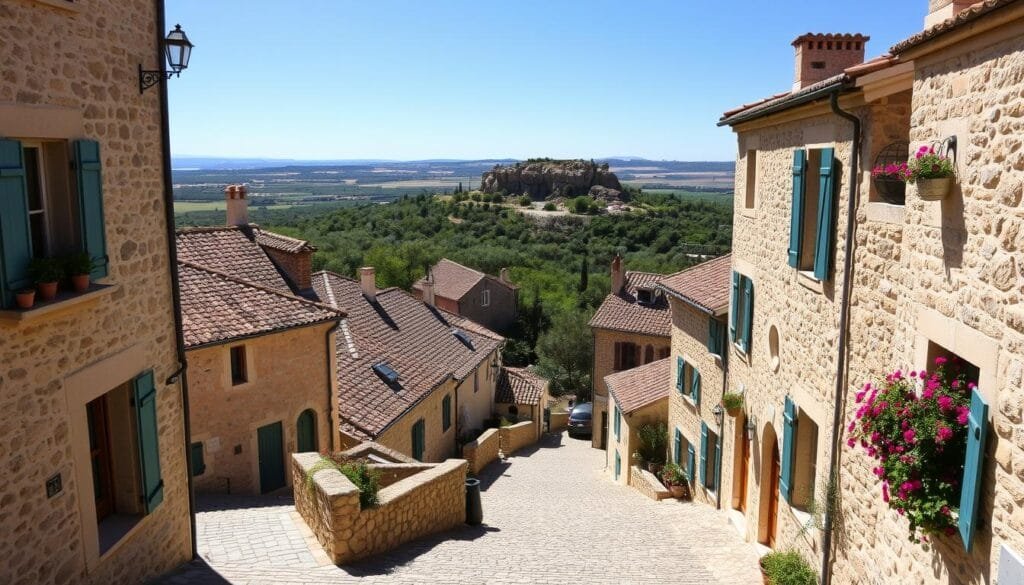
(148, 79)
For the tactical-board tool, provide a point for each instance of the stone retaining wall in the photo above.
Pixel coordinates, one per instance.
(430, 501)
(559, 421)
(648, 485)
(517, 436)
(479, 453)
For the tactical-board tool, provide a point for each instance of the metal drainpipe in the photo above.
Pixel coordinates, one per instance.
(179, 338)
(725, 388)
(844, 318)
(331, 357)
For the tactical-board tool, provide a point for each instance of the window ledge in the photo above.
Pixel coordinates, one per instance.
(688, 400)
(750, 212)
(65, 301)
(880, 212)
(807, 280)
(64, 5)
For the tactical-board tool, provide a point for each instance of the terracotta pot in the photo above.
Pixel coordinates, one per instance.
(47, 290)
(26, 299)
(80, 282)
(678, 491)
(734, 412)
(934, 189)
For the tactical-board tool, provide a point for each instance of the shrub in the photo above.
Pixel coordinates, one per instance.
(549, 207)
(674, 475)
(653, 440)
(366, 479)
(46, 270)
(80, 263)
(788, 568)
(525, 201)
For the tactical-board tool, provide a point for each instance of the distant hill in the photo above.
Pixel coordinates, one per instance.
(210, 163)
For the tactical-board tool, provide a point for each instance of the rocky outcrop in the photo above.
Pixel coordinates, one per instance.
(546, 179)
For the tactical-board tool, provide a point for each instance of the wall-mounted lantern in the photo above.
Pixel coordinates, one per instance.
(750, 428)
(719, 414)
(178, 49)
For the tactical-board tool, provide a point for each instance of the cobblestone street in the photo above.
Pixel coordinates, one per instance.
(550, 516)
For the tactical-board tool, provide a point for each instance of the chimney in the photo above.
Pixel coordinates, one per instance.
(503, 275)
(820, 56)
(940, 10)
(428, 291)
(618, 276)
(368, 282)
(238, 206)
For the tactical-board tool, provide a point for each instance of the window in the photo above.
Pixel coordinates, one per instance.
(198, 463)
(485, 298)
(664, 352)
(618, 423)
(716, 337)
(419, 441)
(239, 367)
(812, 221)
(627, 356)
(741, 312)
(710, 457)
(513, 410)
(648, 354)
(446, 412)
(41, 214)
(618, 465)
(688, 381)
(645, 296)
(751, 179)
(680, 446)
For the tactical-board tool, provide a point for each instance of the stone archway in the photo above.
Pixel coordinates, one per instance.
(768, 511)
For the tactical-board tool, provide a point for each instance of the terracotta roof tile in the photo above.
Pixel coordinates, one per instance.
(966, 16)
(282, 242)
(217, 307)
(706, 285)
(230, 250)
(414, 339)
(519, 386)
(778, 101)
(453, 280)
(622, 312)
(641, 386)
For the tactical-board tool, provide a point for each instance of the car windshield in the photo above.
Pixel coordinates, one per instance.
(580, 416)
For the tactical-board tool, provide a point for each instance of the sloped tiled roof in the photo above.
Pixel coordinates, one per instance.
(964, 17)
(453, 280)
(217, 307)
(705, 286)
(282, 242)
(414, 339)
(231, 250)
(622, 312)
(780, 101)
(519, 386)
(641, 386)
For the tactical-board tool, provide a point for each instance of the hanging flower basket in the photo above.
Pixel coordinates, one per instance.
(932, 171)
(890, 171)
(891, 190)
(934, 189)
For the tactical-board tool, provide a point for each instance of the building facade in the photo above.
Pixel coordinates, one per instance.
(487, 300)
(637, 397)
(81, 171)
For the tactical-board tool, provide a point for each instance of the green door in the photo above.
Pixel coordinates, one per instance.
(271, 448)
(305, 428)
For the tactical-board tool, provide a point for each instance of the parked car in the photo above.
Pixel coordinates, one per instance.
(581, 420)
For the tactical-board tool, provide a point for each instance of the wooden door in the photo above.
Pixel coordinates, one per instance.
(99, 453)
(305, 430)
(271, 457)
(773, 497)
(744, 472)
(604, 430)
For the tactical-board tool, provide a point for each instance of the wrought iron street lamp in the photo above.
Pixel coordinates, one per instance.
(719, 414)
(178, 50)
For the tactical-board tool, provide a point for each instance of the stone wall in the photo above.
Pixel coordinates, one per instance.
(287, 375)
(604, 362)
(648, 485)
(70, 71)
(558, 421)
(430, 501)
(517, 436)
(479, 453)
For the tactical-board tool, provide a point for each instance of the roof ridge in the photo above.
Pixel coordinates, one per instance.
(243, 282)
(482, 274)
(205, 229)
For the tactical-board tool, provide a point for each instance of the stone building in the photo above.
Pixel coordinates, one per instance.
(632, 327)
(636, 397)
(922, 279)
(411, 376)
(698, 439)
(460, 290)
(522, 395)
(82, 170)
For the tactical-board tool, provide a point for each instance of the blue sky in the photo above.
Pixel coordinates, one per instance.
(480, 79)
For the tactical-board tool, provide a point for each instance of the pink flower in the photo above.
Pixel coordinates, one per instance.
(945, 403)
(885, 492)
(909, 435)
(940, 360)
(927, 392)
(962, 414)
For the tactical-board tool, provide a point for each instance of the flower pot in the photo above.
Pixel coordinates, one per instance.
(891, 190)
(47, 290)
(25, 298)
(677, 491)
(934, 189)
(80, 282)
(734, 411)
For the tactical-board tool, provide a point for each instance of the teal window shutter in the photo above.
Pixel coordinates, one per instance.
(618, 465)
(796, 219)
(90, 204)
(748, 313)
(788, 448)
(977, 427)
(718, 464)
(677, 452)
(418, 440)
(680, 369)
(695, 386)
(148, 435)
(690, 462)
(826, 235)
(198, 463)
(446, 412)
(733, 307)
(713, 335)
(15, 234)
(704, 453)
(618, 422)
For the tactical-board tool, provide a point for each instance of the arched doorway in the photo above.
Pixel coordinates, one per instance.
(305, 429)
(741, 476)
(768, 517)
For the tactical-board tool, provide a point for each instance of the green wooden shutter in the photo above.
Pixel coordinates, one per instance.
(788, 447)
(748, 313)
(704, 453)
(418, 440)
(718, 464)
(796, 219)
(677, 452)
(680, 369)
(618, 465)
(90, 204)
(446, 412)
(713, 335)
(826, 236)
(695, 386)
(974, 464)
(198, 463)
(690, 462)
(15, 234)
(733, 308)
(148, 440)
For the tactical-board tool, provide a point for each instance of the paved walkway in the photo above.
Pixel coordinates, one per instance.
(551, 515)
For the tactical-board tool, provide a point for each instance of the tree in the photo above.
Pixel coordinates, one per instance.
(584, 274)
(565, 355)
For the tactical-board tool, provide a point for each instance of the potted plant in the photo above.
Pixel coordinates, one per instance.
(78, 266)
(653, 442)
(676, 481)
(733, 403)
(932, 172)
(25, 298)
(46, 273)
(890, 181)
(787, 568)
